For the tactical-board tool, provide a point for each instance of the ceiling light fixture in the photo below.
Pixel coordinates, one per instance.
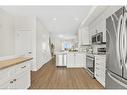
(54, 19)
(76, 19)
(61, 36)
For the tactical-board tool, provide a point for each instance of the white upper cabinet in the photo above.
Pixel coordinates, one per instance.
(84, 36)
(101, 27)
(97, 27)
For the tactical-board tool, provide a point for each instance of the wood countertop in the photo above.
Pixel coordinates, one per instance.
(14, 61)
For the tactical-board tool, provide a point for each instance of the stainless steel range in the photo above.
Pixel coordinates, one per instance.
(90, 63)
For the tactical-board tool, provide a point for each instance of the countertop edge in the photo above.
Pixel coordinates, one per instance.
(14, 63)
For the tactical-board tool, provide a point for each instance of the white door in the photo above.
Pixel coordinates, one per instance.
(70, 60)
(23, 42)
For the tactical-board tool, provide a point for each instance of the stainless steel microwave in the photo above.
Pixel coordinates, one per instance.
(97, 38)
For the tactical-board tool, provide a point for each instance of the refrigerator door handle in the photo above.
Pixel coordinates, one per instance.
(119, 35)
(124, 38)
(117, 80)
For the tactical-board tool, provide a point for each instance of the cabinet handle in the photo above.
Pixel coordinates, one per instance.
(14, 80)
(23, 67)
(11, 81)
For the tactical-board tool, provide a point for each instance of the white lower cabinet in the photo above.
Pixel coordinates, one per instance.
(22, 81)
(75, 60)
(16, 77)
(6, 85)
(79, 60)
(100, 67)
(70, 60)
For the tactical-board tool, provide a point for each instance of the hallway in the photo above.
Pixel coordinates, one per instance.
(51, 77)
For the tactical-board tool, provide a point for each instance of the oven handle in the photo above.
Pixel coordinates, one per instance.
(90, 58)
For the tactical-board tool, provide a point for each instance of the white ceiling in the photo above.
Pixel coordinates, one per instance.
(58, 20)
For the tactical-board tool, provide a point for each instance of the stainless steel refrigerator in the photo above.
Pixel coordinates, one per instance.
(116, 44)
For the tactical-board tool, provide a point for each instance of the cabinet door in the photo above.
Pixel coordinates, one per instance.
(101, 27)
(85, 37)
(79, 60)
(70, 60)
(7, 85)
(22, 81)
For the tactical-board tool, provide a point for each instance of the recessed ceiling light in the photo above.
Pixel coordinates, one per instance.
(54, 19)
(61, 36)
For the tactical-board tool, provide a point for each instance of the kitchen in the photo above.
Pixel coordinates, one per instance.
(46, 49)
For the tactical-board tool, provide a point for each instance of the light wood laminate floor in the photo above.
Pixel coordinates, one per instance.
(52, 77)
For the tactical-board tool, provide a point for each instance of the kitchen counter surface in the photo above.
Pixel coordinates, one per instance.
(14, 61)
(59, 53)
(64, 53)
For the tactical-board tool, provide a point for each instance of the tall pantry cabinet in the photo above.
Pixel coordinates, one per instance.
(32, 38)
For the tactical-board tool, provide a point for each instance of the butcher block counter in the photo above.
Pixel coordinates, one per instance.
(14, 61)
(15, 73)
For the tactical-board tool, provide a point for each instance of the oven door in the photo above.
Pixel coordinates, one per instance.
(90, 64)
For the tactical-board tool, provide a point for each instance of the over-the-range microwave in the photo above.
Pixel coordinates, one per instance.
(98, 38)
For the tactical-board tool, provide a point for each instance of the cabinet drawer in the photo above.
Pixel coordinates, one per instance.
(5, 85)
(100, 65)
(5, 74)
(22, 67)
(100, 60)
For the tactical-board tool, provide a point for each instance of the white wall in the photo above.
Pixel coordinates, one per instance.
(6, 34)
(42, 44)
